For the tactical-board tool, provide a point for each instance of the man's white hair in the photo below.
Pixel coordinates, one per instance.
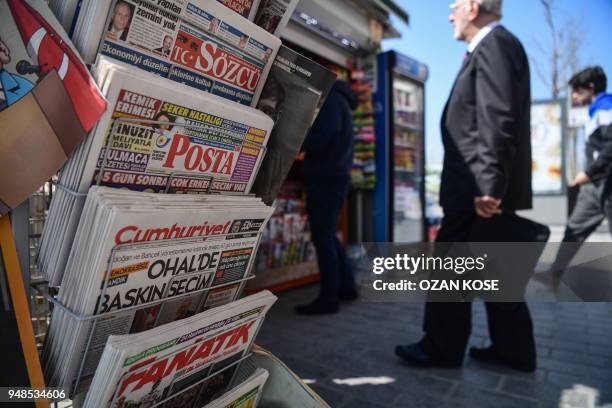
(491, 6)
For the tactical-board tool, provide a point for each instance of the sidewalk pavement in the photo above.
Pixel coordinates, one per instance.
(332, 352)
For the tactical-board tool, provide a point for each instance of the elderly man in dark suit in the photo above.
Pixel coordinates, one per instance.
(486, 175)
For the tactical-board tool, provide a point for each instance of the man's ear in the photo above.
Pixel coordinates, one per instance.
(473, 10)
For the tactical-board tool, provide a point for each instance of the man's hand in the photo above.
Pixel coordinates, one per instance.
(487, 206)
(581, 178)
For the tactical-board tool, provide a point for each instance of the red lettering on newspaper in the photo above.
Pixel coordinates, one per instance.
(208, 58)
(132, 233)
(206, 350)
(199, 157)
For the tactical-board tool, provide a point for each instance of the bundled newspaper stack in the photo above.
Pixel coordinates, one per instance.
(175, 139)
(141, 260)
(185, 364)
(197, 42)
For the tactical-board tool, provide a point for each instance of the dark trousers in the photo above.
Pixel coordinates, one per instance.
(323, 204)
(448, 325)
(593, 205)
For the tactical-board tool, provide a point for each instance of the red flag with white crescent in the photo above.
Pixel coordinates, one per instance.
(48, 49)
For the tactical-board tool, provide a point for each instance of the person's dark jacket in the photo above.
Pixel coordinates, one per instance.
(328, 147)
(486, 127)
(598, 147)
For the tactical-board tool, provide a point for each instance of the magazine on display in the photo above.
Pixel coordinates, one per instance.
(48, 99)
(185, 363)
(202, 144)
(273, 15)
(294, 92)
(200, 43)
(245, 395)
(133, 250)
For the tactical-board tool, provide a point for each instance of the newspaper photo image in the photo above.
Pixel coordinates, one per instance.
(175, 360)
(201, 43)
(246, 8)
(273, 15)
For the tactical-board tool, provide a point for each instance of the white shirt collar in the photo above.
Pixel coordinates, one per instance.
(481, 34)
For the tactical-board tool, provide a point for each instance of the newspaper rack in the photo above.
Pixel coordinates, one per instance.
(283, 387)
(167, 189)
(94, 318)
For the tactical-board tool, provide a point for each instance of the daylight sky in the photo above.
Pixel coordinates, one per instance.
(429, 40)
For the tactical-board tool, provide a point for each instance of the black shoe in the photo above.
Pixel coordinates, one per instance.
(489, 355)
(317, 307)
(414, 355)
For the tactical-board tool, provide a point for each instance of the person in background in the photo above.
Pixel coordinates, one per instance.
(486, 176)
(328, 158)
(594, 201)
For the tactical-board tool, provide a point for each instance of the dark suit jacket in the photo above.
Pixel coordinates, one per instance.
(486, 127)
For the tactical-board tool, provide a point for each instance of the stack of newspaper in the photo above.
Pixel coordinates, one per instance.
(175, 139)
(184, 364)
(197, 42)
(134, 250)
(246, 394)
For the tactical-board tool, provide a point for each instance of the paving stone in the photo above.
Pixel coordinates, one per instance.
(426, 401)
(471, 364)
(572, 343)
(568, 380)
(545, 392)
(333, 396)
(384, 394)
(356, 402)
(484, 378)
(479, 397)
(578, 369)
(306, 369)
(584, 358)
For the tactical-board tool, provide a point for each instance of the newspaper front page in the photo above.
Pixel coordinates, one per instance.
(219, 144)
(170, 363)
(187, 142)
(200, 43)
(165, 248)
